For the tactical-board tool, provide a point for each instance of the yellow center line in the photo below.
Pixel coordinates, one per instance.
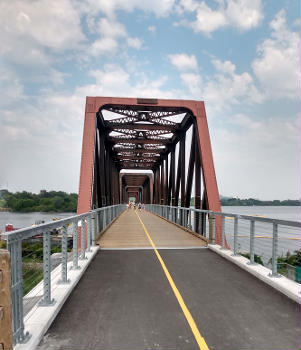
(199, 339)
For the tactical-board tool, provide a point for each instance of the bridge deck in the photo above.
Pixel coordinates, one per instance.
(125, 302)
(127, 232)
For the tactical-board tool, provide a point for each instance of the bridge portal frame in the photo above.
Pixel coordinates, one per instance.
(170, 185)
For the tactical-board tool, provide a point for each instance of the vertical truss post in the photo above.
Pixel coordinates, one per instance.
(102, 163)
(180, 167)
(166, 182)
(158, 187)
(171, 182)
(182, 151)
(190, 170)
(162, 183)
(197, 184)
(210, 183)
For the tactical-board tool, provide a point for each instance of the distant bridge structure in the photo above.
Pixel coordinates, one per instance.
(166, 140)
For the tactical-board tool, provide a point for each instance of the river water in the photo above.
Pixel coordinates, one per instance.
(20, 220)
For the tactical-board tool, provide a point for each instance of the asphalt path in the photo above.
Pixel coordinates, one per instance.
(170, 299)
(124, 302)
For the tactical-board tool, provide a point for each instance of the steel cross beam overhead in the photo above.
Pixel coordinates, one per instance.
(147, 135)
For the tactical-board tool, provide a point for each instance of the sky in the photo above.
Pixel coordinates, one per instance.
(242, 57)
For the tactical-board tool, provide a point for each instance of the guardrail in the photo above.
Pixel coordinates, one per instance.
(93, 222)
(260, 239)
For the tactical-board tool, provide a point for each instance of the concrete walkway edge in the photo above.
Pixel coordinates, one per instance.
(284, 285)
(39, 319)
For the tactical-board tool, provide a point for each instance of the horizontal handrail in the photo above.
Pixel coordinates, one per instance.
(27, 232)
(240, 216)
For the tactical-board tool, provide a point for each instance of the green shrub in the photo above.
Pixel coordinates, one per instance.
(257, 258)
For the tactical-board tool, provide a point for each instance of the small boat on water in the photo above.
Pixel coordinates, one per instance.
(10, 227)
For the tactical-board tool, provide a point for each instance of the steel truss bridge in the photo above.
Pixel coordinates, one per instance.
(163, 277)
(150, 138)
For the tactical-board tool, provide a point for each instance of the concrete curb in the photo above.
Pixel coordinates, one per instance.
(284, 285)
(39, 318)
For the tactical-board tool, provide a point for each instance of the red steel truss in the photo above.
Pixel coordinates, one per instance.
(142, 134)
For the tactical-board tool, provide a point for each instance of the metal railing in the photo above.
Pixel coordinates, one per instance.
(262, 240)
(92, 222)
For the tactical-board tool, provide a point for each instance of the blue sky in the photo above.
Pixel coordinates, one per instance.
(242, 57)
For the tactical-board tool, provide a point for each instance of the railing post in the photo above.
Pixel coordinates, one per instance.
(82, 236)
(104, 218)
(182, 217)
(46, 301)
(93, 229)
(252, 231)
(235, 252)
(64, 279)
(89, 233)
(223, 232)
(6, 331)
(75, 245)
(275, 251)
(211, 228)
(189, 219)
(203, 223)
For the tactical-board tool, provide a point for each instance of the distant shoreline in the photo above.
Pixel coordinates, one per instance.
(260, 205)
(256, 202)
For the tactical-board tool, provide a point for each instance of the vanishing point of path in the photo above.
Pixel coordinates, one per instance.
(155, 286)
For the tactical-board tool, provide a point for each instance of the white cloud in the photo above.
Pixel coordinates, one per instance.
(184, 62)
(221, 90)
(152, 29)
(135, 43)
(111, 28)
(12, 91)
(240, 14)
(208, 20)
(257, 156)
(103, 46)
(245, 121)
(27, 27)
(227, 87)
(194, 83)
(225, 67)
(112, 33)
(113, 80)
(44, 135)
(277, 66)
(160, 8)
(56, 77)
(244, 14)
